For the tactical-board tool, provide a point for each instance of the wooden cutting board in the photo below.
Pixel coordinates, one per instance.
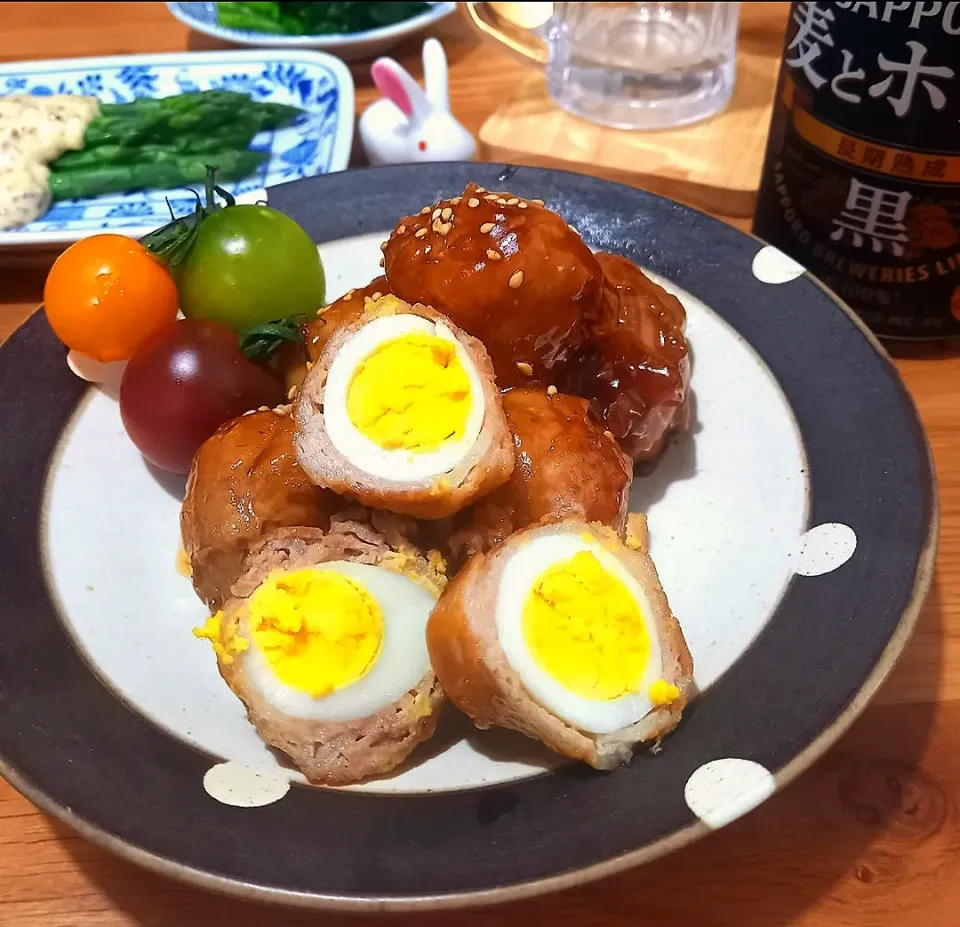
(713, 165)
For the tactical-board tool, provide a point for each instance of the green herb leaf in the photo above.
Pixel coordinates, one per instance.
(258, 342)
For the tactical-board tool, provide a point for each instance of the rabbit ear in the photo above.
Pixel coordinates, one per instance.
(435, 74)
(400, 88)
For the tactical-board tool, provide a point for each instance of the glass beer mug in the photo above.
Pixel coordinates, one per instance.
(627, 65)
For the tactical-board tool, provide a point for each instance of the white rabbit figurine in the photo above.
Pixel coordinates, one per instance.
(411, 125)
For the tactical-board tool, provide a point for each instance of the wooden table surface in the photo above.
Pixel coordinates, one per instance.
(869, 837)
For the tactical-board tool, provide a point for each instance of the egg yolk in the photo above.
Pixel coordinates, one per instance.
(225, 644)
(320, 631)
(662, 692)
(412, 393)
(584, 628)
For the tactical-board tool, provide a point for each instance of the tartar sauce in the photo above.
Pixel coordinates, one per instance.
(33, 132)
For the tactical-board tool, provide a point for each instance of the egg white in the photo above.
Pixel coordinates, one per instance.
(400, 665)
(520, 574)
(358, 449)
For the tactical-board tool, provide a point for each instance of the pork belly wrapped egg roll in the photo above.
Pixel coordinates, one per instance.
(324, 643)
(564, 633)
(567, 466)
(401, 412)
(244, 483)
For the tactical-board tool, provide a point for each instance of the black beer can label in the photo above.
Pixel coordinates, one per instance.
(861, 180)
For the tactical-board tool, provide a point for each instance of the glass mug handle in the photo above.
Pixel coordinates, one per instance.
(510, 24)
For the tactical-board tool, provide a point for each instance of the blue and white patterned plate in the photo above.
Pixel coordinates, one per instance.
(318, 143)
(202, 17)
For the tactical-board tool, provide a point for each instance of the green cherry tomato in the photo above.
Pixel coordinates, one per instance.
(248, 265)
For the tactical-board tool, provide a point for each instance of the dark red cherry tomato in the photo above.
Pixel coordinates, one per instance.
(182, 384)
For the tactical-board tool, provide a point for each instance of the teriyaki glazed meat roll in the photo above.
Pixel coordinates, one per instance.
(323, 642)
(401, 412)
(563, 632)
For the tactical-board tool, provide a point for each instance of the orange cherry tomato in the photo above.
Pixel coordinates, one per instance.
(105, 295)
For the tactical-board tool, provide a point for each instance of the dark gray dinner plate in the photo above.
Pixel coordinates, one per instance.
(81, 752)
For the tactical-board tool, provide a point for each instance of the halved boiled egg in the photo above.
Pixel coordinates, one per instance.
(403, 398)
(329, 655)
(401, 412)
(563, 632)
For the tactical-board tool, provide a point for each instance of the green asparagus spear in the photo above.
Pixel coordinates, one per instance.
(234, 137)
(166, 120)
(104, 155)
(179, 103)
(231, 165)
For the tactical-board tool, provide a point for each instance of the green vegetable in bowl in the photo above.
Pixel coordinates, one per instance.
(240, 265)
(315, 18)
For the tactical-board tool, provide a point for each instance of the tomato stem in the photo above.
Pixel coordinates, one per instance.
(172, 242)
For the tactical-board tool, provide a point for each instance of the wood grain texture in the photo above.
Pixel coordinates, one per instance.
(714, 166)
(868, 838)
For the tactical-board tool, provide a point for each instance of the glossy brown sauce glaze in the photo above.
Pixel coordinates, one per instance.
(245, 482)
(504, 269)
(634, 369)
(566, 466)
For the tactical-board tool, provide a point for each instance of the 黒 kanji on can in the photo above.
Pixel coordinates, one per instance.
(861, 180)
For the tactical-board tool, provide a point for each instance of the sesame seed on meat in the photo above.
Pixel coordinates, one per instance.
(516, 280)
(486, 227)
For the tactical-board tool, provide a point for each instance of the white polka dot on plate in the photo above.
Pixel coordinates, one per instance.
(770, 265)
(822, 549)
(723, 790)
(243, 787)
